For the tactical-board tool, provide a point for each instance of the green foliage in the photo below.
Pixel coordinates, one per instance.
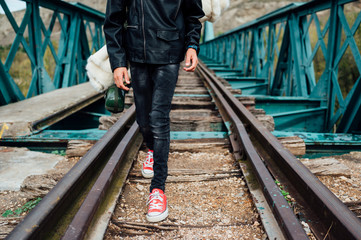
(285, 194)
(25, 208)
(347, 68)
(21, 70)
(219, 33)
(8, 213)
(59, 152)
(348, 71)
(49, 61)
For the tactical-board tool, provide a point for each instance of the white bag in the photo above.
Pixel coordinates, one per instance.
(213, 9)
(99, 71)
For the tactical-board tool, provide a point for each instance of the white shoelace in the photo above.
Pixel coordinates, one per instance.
(148, 162)
(152, 203)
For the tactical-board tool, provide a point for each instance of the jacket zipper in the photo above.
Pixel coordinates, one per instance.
(129, 26)
(178, 8)
(143, 28)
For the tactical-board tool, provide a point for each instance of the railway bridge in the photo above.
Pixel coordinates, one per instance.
(294, 72)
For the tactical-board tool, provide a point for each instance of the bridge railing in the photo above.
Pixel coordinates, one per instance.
(299, 49)
(56, 52)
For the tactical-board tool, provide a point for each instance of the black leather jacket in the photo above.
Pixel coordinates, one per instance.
(151, 31)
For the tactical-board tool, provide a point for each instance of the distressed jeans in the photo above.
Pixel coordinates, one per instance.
(153, 87)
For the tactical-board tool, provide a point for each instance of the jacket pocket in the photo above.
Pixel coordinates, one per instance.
(132, 27)
(168, 35)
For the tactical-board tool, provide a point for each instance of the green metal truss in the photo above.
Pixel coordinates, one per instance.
(276, 50)
(271, 55)
(79, 26)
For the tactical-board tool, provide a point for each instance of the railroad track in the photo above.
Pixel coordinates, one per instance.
(86, 197)
(355, 207)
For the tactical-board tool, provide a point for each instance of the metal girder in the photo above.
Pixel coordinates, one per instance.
(80, 35)
(10, 92)
(253, 50)
(72, 50)
(196, 135)
(326, 142)
(277, 86)
(43, 82)
(95, 134)
(351, 120)
(8, 88)
(208, 31)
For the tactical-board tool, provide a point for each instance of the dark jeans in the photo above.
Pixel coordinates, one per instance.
(153, 92)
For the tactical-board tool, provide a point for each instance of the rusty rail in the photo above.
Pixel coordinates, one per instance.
(46, 215)
(79, 226)
(336, 220)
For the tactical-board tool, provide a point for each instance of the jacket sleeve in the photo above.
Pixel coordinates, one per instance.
(192, 11)
(113, 31)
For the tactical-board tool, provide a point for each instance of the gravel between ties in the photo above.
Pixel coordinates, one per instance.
(221, 209)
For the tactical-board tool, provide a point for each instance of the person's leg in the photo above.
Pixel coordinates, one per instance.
(143, 90)
(165, 79)
(153, 118)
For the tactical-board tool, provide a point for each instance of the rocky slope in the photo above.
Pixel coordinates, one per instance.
(239, 12)
(243, 11)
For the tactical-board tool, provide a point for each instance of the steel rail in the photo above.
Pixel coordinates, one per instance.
(335, 216)
(45, 215)
(290, 225)
(80, 223)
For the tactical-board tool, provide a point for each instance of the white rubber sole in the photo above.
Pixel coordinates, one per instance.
(147, 175)
(158, 218)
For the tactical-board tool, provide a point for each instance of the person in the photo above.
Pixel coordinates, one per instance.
(154, 36)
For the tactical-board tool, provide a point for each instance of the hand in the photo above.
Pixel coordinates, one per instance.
(120, 74)
(191, 60)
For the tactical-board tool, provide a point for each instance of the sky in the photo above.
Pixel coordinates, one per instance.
(14, 5)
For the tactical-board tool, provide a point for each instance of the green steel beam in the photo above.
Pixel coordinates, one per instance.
(310, 138)
(76, 21)
(325, 140)
(277, 84)
(309, 120)
(197, 135)
(334, 42)
(69, 8)
(191, 95)
(63, 44)
(8, 88)
(300, 87)
(208, 31)
(86, 134)
(96, 134)
(44, 83)
(351, 120)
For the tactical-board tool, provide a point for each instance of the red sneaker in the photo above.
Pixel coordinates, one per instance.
(158, 207)
(147, 166)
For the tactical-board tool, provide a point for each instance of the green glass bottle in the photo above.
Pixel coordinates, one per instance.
(114, 99)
